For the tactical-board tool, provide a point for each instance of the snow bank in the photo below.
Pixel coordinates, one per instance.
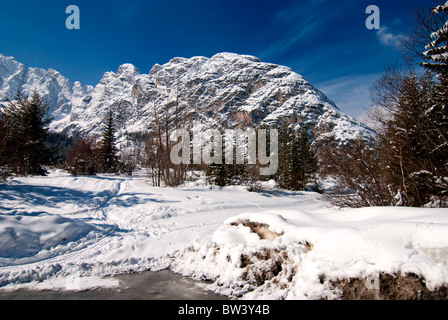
(26, 236)
(312, 251)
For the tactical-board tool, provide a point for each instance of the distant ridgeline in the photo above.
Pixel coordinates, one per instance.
(226, 91)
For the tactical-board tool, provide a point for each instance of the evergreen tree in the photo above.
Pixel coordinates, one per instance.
(437, 108)
(408, 164)
(413, 141)
(4, 172)
(108, 149)
(437, 55)
(220, 174)
(284, 174)
(304, 162)
(26, 133)
(58, 143)
(413, 144)
(297, 161)
(437, 50)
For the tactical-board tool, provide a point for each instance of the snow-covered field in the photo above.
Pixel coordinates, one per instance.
(68, 232)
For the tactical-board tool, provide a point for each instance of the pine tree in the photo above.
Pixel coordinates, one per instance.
(4, 172)
(304, 162)
(108, 149)
(412, 144)
(437, 50)
(438, 112)
(437, 108)
(297, 161)
(408, 163)
(284, 174)
(437, 55)
(220, 174)
(26, 133)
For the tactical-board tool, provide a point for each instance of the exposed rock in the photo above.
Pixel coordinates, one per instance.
(225, 91)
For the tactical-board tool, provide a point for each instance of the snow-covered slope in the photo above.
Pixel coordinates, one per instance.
(227, 90)
(62, 95)
(272, 244)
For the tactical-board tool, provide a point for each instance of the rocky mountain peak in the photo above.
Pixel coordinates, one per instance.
(227, 90)
(128, 69)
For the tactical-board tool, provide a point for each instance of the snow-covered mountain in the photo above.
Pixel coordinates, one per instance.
(225, 91)
(63, 96)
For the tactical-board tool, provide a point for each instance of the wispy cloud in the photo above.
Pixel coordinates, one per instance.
(350, 93)
(300, 21)
(389, 39)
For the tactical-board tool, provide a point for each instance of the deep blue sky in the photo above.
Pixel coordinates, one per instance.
(326, 41)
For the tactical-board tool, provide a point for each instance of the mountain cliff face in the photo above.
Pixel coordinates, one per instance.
(224, 91)
(61, 94)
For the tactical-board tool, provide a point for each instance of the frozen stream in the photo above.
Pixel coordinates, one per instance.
(162, 285)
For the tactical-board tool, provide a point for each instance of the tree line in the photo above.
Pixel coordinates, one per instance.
(27, 148)
(297, 163)
(23, 134)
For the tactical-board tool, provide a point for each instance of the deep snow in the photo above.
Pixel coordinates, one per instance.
(70, 232)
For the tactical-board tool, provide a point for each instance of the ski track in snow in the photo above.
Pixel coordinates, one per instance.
(128, 215)
(120, 224)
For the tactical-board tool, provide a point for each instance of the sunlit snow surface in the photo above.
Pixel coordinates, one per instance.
(58, 229)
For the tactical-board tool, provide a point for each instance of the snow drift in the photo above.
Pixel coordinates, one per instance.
(311, 252)
(271, 244)
(23, 236)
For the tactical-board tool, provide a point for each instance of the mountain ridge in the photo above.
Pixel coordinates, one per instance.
(227, 90)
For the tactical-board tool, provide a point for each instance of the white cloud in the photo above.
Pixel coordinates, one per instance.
(300, 21)
(389, 39)
(350, 93)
